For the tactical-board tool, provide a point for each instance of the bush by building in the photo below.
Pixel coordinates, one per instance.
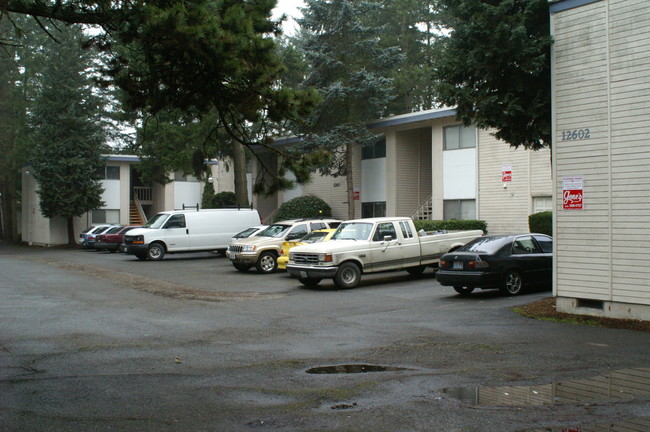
(308, 206)
(541, 223)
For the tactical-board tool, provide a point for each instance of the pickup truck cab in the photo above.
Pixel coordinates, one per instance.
(372, 245)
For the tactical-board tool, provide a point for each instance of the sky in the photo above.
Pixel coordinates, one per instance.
(291, 9)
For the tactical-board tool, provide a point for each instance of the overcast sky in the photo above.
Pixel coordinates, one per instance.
(291, 9)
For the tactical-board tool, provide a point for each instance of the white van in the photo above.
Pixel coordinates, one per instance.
(188, 231)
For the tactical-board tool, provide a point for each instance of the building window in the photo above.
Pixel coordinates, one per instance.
(374, 151)
(459, 209)
(542, 204)
(179, 176)
(109, 172)
(104, 216)
(373, 209)
(459, 137)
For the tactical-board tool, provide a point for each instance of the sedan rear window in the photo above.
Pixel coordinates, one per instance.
(486, 245)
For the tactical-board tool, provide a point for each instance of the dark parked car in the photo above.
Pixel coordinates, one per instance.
(508, 263)
(113, 238)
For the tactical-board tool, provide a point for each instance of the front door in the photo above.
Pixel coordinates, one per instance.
(385, 254)
(176, 233)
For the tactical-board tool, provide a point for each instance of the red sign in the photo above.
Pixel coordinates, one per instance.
(506, 173)
(357, 195)
(572, 193)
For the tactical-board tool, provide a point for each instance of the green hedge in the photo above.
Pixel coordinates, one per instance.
(450, 225)
(541, 223)
(308, 206)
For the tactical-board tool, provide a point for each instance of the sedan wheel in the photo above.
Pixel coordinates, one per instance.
(267, 263)
(512, 283)
(463, 290)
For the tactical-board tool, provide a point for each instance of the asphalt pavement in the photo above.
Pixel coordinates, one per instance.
(94, 341)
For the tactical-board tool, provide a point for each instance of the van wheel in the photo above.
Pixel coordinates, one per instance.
(242, 267)
(348, 276)
(156, 252)
(267, 263)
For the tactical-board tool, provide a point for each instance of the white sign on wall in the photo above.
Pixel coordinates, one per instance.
(572, 193)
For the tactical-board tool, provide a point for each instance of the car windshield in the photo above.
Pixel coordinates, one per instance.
(156, 221)
(487, 245)
(246, 233)
(353, 231)
(276, 231)
(314, 237)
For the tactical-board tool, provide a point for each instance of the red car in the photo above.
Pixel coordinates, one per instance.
(112, 240)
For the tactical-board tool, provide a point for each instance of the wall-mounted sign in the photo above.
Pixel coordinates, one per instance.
(506, 173)
(357, 194)
(572, 193)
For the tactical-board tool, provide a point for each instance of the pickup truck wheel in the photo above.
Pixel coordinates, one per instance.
(310, 282)
(513, 283)
(463, 290)
(267, 263)
(242, 267)
(348, 276)
(416, 271)
(156, 252)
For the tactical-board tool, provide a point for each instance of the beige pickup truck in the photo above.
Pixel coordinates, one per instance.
(263, 249)
(372, 245)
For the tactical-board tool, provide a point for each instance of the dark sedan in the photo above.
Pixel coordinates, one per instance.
(508, 263)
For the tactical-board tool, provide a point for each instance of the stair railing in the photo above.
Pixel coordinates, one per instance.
(138, 207)
(425, 211)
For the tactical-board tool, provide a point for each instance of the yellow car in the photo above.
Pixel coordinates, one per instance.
(313, 237)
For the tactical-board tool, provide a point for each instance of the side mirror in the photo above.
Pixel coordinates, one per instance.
(388, 238)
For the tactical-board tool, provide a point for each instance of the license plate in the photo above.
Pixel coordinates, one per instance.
(458, 265)
(231, 255)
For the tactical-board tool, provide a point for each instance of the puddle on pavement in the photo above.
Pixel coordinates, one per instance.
(352, 368)
(635, 425)
(621, 384)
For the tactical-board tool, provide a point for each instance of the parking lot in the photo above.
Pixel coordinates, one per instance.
(93, 341)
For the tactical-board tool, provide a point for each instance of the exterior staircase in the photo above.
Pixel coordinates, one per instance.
(135, 218)
(425, 211)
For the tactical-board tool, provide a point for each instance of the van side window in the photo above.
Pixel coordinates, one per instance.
(176, 221)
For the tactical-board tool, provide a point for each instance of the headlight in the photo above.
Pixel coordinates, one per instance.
(138, 239)
(249, 248)
(324, 257)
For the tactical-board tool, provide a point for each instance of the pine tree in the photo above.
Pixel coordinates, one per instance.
(350, 69)
(67, 138)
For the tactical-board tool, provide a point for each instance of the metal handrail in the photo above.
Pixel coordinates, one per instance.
(424, 211)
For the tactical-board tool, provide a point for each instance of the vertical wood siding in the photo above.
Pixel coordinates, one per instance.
(414, 181)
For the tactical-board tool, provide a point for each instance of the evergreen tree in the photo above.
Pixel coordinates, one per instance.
(350, 70)
(495, 67)
(67, 135)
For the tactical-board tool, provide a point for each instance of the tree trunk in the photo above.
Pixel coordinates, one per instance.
(349, 179)
(71, 236)
(239, 167)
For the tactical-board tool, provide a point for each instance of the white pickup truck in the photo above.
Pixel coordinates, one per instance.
(372, 245)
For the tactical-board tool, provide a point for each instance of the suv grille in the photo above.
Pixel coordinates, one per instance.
(235, 248)
(305, 258)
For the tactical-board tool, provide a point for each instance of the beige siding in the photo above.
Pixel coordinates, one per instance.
(506, 209)
(414, 180)
(333, 190)
(602, 82)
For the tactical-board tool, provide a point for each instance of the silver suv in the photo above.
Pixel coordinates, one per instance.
(263, 249)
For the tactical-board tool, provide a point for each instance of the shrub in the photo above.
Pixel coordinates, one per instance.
(450, 225)
(541, 223)
(224, 199)
(308, 206)
(207, 199)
